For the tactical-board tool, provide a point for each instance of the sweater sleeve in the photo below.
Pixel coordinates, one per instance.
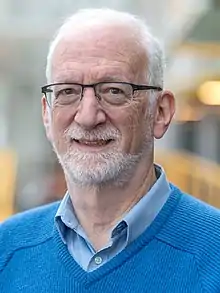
(25, 229)
(195, 228)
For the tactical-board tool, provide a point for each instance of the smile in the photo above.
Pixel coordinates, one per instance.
(92, 143)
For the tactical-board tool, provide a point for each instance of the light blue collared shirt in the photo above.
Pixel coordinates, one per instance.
(128, 229)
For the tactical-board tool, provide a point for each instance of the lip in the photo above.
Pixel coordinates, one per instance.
(91, 146)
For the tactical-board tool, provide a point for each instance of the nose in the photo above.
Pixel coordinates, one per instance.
(89, 113)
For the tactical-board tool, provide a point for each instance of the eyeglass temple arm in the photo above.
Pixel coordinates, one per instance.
(45, 90)
(146, 87)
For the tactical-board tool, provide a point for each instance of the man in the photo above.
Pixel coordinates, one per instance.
(121, 226)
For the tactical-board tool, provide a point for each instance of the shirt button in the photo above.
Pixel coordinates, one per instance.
(98, 260)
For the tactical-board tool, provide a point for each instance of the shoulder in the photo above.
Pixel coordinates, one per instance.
(200, 217)
(26, 229)
(192, 222)
(193, 227)
(22, 225)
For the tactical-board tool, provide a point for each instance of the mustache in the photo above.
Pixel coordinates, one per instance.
(99, 133)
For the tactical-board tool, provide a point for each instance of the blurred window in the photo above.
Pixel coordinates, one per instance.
(186, 133)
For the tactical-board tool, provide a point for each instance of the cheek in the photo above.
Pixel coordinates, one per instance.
(132, 128)
(61, 119)
(139, 128)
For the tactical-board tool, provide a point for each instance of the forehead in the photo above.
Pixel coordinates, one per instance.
(112, 48)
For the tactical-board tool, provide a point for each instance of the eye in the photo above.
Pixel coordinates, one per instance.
(68, 91)
(113, 91)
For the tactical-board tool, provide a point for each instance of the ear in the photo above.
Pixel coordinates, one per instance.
(164, 113)
(46, 115)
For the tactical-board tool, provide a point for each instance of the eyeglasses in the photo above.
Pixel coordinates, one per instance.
(111, 93)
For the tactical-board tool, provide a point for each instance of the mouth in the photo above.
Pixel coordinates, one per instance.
(92, 143)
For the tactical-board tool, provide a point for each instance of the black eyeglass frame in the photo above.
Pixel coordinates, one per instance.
(135, 87)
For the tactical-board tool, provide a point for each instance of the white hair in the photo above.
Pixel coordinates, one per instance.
(88, 18)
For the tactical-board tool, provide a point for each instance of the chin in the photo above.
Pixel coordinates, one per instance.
(89, 169)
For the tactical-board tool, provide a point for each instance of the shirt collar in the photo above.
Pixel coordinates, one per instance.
(136, 220)
(145, 211)
(66, 211)
(65, 217)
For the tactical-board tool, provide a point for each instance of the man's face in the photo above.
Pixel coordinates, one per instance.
(96, 143)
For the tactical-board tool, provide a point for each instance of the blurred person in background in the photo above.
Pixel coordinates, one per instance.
(121, 227)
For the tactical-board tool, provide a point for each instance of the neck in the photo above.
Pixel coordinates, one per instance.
(98, 209)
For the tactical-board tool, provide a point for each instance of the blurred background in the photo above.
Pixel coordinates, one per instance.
(190, 33)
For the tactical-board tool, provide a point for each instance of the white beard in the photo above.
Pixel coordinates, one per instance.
(89, 169)
(110, 166)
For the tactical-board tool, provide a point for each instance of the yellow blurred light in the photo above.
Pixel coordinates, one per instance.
(209, 93)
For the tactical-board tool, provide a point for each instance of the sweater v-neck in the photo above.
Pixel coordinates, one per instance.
(85, 278)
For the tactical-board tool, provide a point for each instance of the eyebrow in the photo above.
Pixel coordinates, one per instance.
(65, 78)
(110, 78)
(105, 78)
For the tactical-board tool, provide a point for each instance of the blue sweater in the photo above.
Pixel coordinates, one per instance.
(179, 252)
